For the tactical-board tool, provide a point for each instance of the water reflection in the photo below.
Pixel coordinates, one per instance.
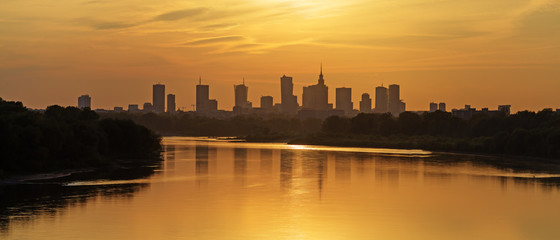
(222, 190)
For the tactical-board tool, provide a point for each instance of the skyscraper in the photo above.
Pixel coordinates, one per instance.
(288, 102)
(316, 97)
(344, 100)
(365, 104)
(158, 100)
(381, 97)
(84, 101)
(394, 99)
(171, 103)
(203, 101)
(241, 103)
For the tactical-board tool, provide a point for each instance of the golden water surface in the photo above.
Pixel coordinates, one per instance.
(211, 189)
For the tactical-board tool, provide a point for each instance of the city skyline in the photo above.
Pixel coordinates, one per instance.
(483, 54)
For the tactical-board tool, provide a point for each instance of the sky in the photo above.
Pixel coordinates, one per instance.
(478, 52)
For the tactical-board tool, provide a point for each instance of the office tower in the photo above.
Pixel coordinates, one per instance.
(288, 102)
(158, 101)
(171, 103)
(433, 107)
(381, 97)
(148, 107)
(266, 102)
(133, 108)
(241, 103)
(344, 100)
(442, 107)
(394, 100)
(203, 101)
(365, 104)
(316, 96)
(84, 101)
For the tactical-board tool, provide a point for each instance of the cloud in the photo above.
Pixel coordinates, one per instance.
(180, 14)
(215, 40)
(219, 26)
(112, 25)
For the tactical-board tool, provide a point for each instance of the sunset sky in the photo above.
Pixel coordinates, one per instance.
(477, 52)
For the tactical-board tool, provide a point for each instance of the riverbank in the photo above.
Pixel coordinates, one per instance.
(475, 147)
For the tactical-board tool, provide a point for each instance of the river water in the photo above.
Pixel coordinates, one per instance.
(209, 189)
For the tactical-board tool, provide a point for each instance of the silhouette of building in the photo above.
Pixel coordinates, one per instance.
(203, 102)
(84, 101)
(344, 100)
(381, 97)
(148, 107)
(171, 103)
(288, 101)
(118, 109)
(158, 101)
(506, 109)
(396, 106)
(133, 108)
(442, 107)
(433, 107)
(316, 97)
(468, 112)
(365, 104)
(241, 103)
(267, 103)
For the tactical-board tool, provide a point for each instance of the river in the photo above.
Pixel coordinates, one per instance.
(213, 189)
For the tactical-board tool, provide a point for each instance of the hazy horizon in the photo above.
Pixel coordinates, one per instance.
(473, 52)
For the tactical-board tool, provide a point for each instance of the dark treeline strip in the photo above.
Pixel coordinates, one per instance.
(253, 127)
(524, 133)
(62, 138)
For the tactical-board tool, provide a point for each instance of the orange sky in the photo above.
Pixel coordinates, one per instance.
(477, 52)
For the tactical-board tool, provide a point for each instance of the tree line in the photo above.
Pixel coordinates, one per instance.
(68, 137)
(524, 133)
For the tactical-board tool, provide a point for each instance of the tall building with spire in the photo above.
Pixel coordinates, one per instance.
(316, 97)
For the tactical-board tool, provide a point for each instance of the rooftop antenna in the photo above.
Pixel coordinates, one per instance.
(243, 81)
(199, 80)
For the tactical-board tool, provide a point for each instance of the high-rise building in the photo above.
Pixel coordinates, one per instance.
(433, 107)
(241, 103)
(365, 104)
(203, 101)
(381, 97)
(267, 102)
(344, 100)
(316, 97)
(288, 102)
(394, 100)
(158, 100)
(171, 103)
(442, 107)
(84, 101)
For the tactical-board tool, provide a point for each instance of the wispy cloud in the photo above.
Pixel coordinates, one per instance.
(180, 14)
(215, 40)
